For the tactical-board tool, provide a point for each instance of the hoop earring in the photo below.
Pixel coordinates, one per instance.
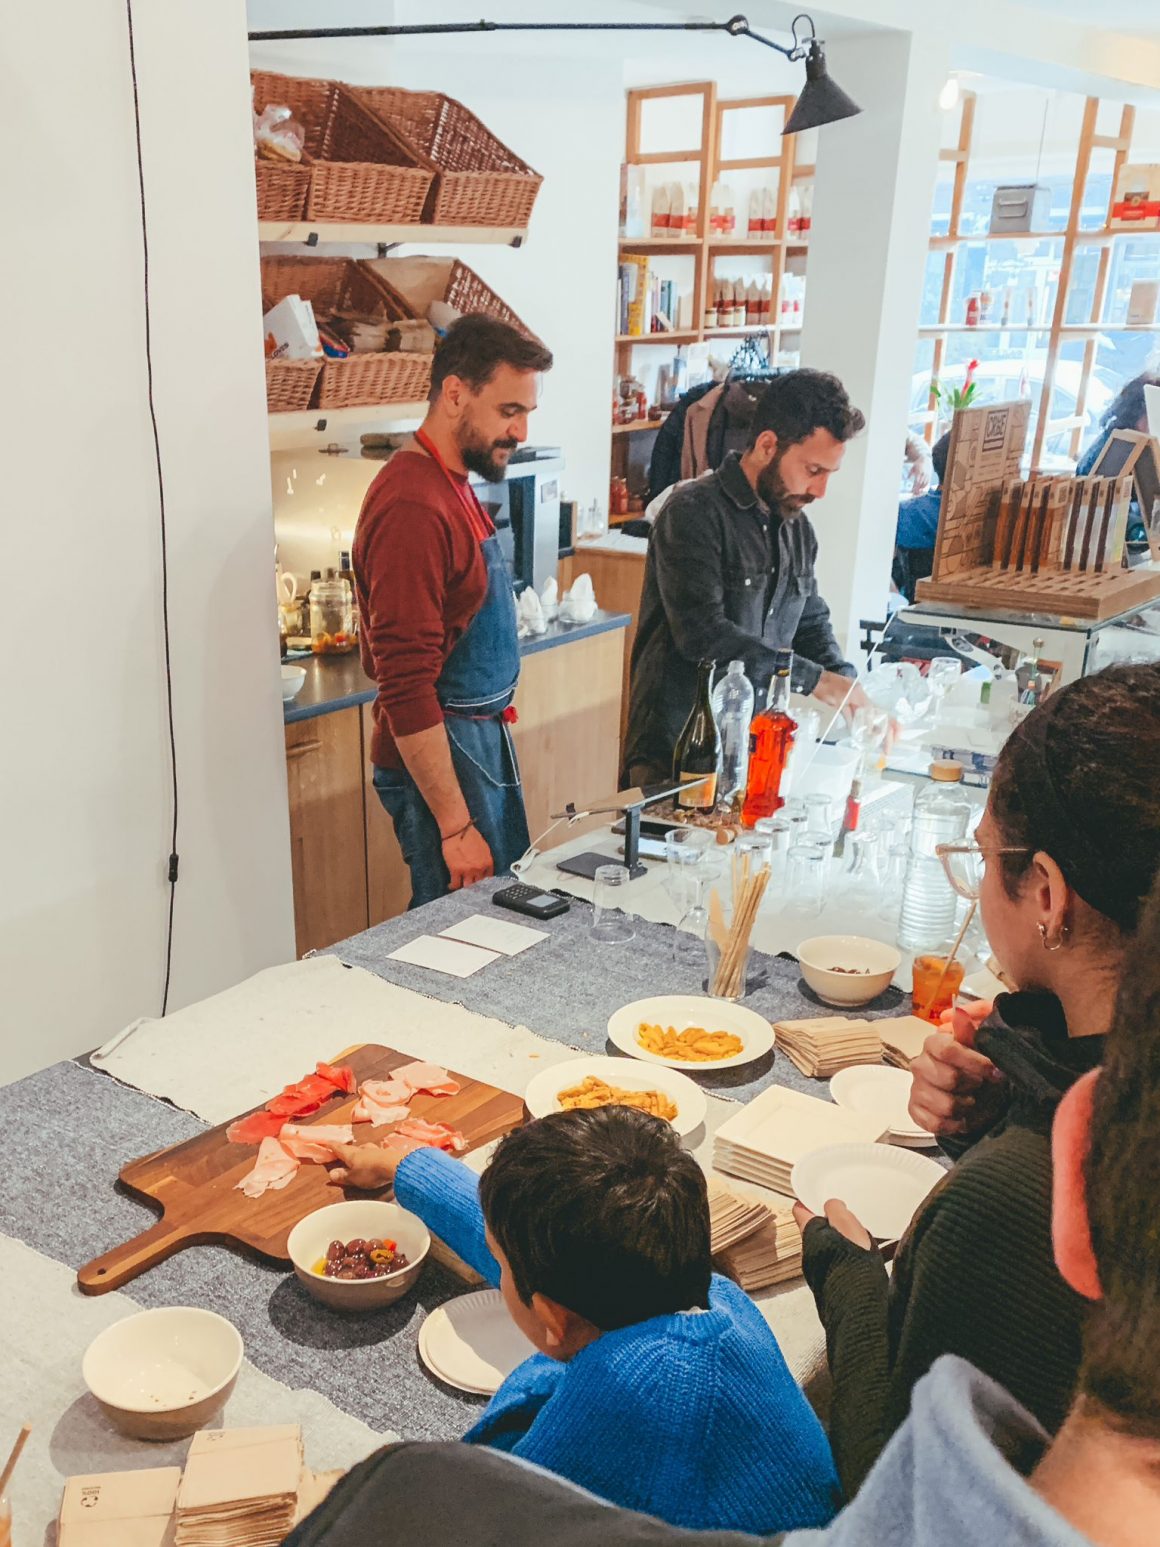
(1064, 931)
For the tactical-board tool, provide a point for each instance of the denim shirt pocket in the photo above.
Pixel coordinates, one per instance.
(745, 597)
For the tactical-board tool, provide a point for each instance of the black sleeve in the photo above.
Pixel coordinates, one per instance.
(851, 1291)
(458, 1495)
(686, 556)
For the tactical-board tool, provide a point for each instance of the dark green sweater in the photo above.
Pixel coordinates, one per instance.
(974, 1275)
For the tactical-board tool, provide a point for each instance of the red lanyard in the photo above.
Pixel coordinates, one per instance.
(477, 518)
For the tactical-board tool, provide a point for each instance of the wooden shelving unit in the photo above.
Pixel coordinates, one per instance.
(704, 248)
(318, 427)
(1071, 238)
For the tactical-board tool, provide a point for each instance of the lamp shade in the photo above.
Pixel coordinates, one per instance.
(822, 101)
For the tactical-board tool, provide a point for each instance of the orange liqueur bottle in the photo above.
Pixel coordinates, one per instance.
(770, 742)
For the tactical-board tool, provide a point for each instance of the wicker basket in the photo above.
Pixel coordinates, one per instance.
(479, 182)
(290, 384)
(356, 167)
(416, 282)
(340, 284)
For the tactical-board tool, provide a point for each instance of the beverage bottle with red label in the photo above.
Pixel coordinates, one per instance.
(697, 754)
(771, 737)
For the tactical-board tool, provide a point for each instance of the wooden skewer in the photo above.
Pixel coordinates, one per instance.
(953, 953)
(14, 1457)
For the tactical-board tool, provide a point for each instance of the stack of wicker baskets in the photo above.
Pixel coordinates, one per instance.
(355, 167)
(419, 281)
(331, 285)
(478, 180)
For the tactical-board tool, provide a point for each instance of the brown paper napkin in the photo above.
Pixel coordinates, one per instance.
(824, 1044)
(903, 1039)
(119, 1509)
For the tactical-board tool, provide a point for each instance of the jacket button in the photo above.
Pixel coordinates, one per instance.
(748, 581)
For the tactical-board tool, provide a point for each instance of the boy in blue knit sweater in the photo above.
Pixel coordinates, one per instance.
(658, 1384)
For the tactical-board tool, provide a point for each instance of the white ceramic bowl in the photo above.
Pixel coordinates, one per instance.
(875, 963)
(311, 1236)
(163, 1374)
(292, 679)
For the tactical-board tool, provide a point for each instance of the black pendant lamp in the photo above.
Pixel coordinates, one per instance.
(821, 101)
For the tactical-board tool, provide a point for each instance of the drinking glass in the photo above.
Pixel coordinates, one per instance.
(794, 811)
(684, 847)
(757, 845)
(862, 875)
(806, 879)
(942, 674)
(819, 822)
(610, 924)
(868, 735)
(688, 940)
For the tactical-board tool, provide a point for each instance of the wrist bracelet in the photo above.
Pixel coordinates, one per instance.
(467, 826)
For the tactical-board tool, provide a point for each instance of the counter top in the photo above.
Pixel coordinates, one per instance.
(339, 682)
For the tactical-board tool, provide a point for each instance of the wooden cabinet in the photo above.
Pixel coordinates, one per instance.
(617, 579)
(388, 879)
(327, 828)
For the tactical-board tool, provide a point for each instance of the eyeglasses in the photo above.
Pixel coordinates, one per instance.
(964, 863)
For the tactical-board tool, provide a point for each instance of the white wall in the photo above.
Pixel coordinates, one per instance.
(84, 802)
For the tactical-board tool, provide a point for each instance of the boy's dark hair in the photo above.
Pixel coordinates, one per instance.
(1121, 1366)
(1077, 780)
(938, 456)
(797, 403)
(603, 1212)
(475, 346)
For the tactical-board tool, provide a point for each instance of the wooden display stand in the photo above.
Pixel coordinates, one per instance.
(1040, 546)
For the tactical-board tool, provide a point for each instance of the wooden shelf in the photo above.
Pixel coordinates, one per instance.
(311, 233)
(983, 327)
(750, 327)
(1080, 328)
(997, 236)
(639, 427)
(743, 246)
(302, 428)
(689, 337)
(679, 246)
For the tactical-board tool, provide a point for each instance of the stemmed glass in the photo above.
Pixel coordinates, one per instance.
(689, 940)
(868, 735)
(942, 674)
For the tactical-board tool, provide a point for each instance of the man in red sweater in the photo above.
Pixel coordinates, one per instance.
(438, 615)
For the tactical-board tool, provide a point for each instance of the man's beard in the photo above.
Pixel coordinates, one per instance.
(773, 491)
(481, 456)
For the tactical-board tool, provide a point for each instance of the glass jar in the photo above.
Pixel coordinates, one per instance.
(331, 616)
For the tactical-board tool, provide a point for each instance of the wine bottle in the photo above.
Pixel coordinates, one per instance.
(770, 741)
(698, 750)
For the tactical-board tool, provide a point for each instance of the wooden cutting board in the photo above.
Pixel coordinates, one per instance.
(194, 1183)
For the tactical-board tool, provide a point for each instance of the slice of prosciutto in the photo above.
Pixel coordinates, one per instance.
(435, 1135)
(432, 1078)
(275, 1167)
(315, 1142)
(381, 1101)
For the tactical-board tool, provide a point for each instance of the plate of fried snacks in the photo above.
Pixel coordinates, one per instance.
(690, 1032)
(590, 1082)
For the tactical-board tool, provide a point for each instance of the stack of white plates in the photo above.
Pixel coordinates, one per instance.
(881, 1094)
(472, 1343)
(769, 1136)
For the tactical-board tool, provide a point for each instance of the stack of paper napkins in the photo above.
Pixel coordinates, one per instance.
(826, 1043)
(768, 1137)
(754, 1245)
(240, 1487)
(903, 1039)
(119, 1509)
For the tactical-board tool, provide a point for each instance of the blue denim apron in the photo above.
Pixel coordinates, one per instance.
(476, 685)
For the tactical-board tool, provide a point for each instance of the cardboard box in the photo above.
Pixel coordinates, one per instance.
(1142, 299)
(1136, 205)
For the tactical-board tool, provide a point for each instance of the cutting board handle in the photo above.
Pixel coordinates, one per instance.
(144, 1251)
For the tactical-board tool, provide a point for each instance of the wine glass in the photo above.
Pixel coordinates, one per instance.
(689, 939)
(868, 735)
(684, 847)
(942, 674)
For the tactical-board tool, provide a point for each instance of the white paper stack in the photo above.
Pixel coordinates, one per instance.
(768, 1137)
(826, 1043)
(903, 1039)
(240, 1487)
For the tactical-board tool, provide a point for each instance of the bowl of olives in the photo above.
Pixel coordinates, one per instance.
(356, 1256)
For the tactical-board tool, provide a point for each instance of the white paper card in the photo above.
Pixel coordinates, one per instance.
(494, 934)
(450, 956)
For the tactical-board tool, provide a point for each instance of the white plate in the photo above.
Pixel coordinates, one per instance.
(883, 1093)
(682, 1010)
(541, 1096)
(881, 1185)
(473, 1343)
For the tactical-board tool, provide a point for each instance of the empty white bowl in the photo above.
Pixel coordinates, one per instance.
(163, 1374)
(292, 679)
(874, 964)
(311, 1236)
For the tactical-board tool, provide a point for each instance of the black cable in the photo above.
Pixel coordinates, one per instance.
(171, 871)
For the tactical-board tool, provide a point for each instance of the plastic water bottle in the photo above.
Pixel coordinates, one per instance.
(733, 710)
(941, 815)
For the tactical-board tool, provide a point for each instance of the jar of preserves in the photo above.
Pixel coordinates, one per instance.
(331, 616)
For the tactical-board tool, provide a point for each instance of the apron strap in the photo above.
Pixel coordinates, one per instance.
(477, 518)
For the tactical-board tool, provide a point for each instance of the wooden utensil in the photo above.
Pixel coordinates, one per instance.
(13, 1458)
(194, 1183)
(954, 951)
